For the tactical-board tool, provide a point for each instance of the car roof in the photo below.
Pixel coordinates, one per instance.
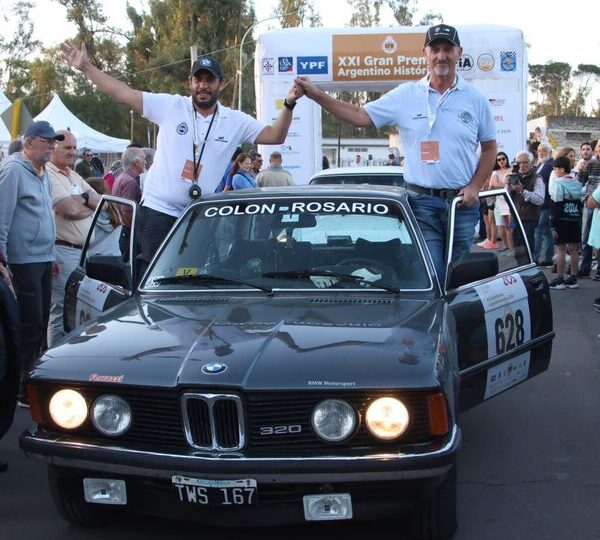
(362, 171)
(347, 190)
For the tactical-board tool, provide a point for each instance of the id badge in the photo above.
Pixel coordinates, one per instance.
(188, 170)
(430, 151)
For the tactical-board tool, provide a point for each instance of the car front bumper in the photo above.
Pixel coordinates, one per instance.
(380, 485)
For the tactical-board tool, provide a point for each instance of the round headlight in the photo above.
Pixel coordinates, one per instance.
(111, 415)
(333, 420)
(68, 409)
(387, 418)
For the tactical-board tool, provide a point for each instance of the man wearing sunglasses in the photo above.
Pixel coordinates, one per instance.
(27, 235)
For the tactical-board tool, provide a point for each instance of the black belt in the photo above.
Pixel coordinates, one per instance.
(67, 244)
(442, 193)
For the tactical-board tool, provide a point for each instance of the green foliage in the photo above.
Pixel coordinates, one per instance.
(294, 13)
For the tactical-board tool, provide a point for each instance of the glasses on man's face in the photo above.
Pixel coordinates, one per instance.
(88, 155)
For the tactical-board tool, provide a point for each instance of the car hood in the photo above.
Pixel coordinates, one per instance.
(255, 343)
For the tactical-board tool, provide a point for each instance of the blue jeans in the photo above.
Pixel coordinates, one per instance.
(432, 215)
(543, 234)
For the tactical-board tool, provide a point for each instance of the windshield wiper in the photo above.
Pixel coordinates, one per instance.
(303, 274)
(200, 278)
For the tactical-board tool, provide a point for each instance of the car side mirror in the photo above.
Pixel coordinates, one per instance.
(472, 267)
(109, 269)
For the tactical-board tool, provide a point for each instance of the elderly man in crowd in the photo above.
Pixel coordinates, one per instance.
(527, 191)
(274, 175)
(127, 186)
(543, 250)
(27, 236)
(74, 201)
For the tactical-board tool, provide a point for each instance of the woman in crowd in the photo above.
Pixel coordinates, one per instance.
(240, 173)
(108, 225)
(502, 215)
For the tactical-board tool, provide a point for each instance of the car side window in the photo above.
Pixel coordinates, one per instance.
(499, 231)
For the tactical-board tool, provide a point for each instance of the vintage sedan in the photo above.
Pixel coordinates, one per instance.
(289, 355)
(379, 175)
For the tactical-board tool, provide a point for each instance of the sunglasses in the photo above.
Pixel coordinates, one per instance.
(501, 159)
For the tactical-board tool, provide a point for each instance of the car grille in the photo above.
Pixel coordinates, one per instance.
(228, 421)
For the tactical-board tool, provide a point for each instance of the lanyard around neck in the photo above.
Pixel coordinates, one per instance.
(195, 141)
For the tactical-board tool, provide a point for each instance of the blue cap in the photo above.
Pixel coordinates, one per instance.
(42, 129)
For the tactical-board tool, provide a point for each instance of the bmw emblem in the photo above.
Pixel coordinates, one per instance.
(213, 368)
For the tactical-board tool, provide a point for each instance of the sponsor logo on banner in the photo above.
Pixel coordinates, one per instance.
(286, 64)
(378, 57)
(268, 66)
(508, 61)
(389, 45)
(486, 62)
(465, 63)
(312, 65)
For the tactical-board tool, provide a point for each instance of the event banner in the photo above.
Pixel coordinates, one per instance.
(378, 57)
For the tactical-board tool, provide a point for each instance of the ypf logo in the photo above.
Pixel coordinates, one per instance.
(312, 65)
(465, 63)
(389, 45)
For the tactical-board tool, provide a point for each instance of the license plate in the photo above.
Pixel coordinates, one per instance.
(216, 492)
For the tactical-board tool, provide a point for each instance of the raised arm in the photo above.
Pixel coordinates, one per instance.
(277, 132)
(114, 88)
(348, 112)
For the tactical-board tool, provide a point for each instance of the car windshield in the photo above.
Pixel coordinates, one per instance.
(279, 243)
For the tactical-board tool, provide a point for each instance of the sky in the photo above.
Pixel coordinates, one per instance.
(577, 43)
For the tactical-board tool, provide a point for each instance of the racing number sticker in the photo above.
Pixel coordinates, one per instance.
(91, 297)
(507, 319)
(508, 326)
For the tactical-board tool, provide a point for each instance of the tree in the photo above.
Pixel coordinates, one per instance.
(552, 82)
(14, 50)
(294, 13)
(366, 12)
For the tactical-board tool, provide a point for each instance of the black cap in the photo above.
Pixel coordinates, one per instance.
(442, 31)
(209, 64)
(42, 129)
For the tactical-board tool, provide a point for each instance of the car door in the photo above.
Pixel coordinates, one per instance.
(503, 322)
(85, 296)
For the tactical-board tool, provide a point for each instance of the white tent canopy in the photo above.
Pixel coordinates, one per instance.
(62, 118)
(5, 137)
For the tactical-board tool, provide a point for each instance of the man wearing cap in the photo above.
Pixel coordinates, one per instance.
(442, 120)
(196, 139)
(27, 235)
(74, 201)
(274, 175)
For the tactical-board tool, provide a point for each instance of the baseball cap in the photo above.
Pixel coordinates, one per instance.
(209, 64)
(42, 129)
(442, 31)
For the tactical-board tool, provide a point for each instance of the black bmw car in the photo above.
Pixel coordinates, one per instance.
(289, 356)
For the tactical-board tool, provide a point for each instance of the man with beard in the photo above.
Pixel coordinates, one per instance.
(442, 120)
(196, 139)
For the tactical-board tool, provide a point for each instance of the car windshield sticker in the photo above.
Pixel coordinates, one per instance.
(154, 282)
(298, 207)
(507, 319)
(189, 271)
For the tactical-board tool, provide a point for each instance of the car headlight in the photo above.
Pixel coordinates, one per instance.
(387, 418)
(333, 420)
(111, 415)
(68, 409)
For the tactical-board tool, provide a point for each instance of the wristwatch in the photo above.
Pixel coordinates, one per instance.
(86, 198)
(288, 105)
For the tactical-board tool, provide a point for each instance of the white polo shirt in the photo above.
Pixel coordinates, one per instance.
(165, 190)
(459, 120)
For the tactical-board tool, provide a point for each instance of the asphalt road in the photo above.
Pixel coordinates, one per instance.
(528, 466)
